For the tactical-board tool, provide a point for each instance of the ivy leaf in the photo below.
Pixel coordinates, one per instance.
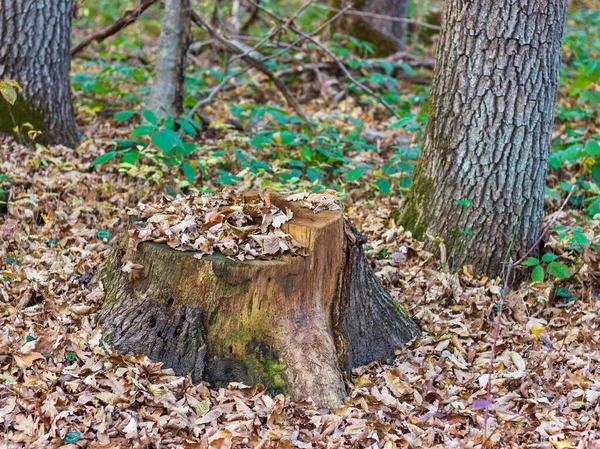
(558, 270)
(103, 158)
(537, 275)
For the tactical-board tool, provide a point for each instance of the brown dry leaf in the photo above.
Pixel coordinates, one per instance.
(133, 270)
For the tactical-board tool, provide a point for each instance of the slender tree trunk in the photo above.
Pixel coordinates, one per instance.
(479, 182)
(171, 60)
(387, 36)
(35, 38)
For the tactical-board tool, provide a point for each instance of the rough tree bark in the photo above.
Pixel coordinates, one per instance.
(295, 324)
(171, 60)
(387, 36)
(479, 181)
(35, 36)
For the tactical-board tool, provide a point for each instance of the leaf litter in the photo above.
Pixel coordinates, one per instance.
(60, 386)
(238, 226)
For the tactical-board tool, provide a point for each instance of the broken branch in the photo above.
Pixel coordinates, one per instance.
(114, 28)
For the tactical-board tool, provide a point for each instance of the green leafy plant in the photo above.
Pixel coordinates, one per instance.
(160, 141)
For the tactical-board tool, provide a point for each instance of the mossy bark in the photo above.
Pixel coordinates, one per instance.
(478, 185)
(35, 36)
(386, 36)
(296, 324)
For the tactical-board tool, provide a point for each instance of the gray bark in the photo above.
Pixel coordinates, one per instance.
(489, 130)
(35, 39)
(169, 74)
(387, 36)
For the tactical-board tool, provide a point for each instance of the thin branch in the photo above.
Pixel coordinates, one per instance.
(381, 17)
(250, 21)
(213, 92)
(340, 64)
(505, 288)
(257, 64)
(225, 82)
(114, 28)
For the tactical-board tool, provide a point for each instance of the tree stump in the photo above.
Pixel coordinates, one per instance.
(297, 324)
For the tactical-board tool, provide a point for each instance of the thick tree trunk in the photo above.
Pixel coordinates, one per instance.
(479, 182)
(35, 38)
(171, 60)
(387, 36)
(296, 324)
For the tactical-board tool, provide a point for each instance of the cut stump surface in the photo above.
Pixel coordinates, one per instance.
(297, 324)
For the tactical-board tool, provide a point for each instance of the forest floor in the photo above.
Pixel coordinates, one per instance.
(60, 386)
(59, 382)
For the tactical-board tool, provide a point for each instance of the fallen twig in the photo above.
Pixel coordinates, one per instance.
(114, 28)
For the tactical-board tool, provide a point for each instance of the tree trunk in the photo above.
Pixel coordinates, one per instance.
(35, 38)
(171, 60)
(479, 181)
(296, 324)
(387, 36)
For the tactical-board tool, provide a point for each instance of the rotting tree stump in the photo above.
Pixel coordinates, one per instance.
(297, 324)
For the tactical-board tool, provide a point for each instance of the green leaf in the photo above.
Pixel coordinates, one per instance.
(143, 130)
(531, 262)
(592, 148)
(306, 152)
(279, 117)
(130, 157)
(8, 379)
(549, 257)
(383, 185)
(188, 171)
(537, 275)
(579, 238)
(72, 437)
(8, 92)
(124, 115)
(354, 174)
(187, 127)
(165, 140)
(558, 270)
(464, 202)
(149, 116)
(103, 158)
(103, 234)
